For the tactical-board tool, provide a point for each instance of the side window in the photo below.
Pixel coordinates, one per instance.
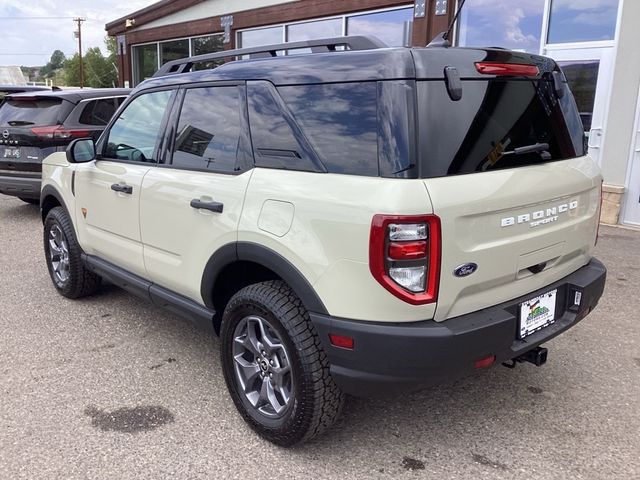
(208, 133)
(340, 121)
(99, 112)
(277, 141)
(134, 135)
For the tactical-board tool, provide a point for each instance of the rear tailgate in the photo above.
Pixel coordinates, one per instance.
(566, 195)
(27, 126)
(506, 172)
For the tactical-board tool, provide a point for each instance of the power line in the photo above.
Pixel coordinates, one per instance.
(49, 18)
(33, 18)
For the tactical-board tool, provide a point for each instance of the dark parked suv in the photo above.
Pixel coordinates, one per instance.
(37, 123)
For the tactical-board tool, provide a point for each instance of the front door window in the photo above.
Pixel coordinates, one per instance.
(135, 133)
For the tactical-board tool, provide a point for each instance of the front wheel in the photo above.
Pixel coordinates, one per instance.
(274, 366)
(64, 257)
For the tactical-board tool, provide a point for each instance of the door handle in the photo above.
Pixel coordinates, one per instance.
(122, 188)
(213, 206)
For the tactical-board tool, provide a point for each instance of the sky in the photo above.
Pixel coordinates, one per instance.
(28, 38)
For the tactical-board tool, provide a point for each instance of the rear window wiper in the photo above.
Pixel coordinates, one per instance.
(535, 148)
(19, 123)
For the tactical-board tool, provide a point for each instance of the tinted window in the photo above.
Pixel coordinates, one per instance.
(481, 131)
(208, 131)
(99, 112)
(277, 141)
(135, 133)
(40, 112)
(340, 121)
(396, 129)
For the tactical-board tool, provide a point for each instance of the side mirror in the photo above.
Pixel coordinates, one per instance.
(81, 150)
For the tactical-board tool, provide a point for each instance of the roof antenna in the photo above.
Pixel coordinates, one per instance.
(442, 39)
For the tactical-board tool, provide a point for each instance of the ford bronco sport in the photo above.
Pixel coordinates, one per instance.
(356, 220)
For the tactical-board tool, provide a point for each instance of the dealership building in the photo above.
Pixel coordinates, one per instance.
(595, 41)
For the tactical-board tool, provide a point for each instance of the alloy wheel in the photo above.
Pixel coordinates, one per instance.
(59, 254)
(262, 366)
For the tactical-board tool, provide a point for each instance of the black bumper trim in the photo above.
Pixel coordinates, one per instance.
(396, 356)
(26, 187)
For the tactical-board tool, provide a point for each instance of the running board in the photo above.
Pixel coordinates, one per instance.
(200, 316)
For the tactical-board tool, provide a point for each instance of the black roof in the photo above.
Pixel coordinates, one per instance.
(75, 95)
(366, 60)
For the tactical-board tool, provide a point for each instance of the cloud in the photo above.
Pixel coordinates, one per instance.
(37, 38)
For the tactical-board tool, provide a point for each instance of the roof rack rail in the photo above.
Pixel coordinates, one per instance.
(357, 42)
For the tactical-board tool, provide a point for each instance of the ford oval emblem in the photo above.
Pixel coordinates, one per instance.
(465, 270)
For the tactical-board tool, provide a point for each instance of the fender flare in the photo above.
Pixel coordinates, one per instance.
(51, 191)
(253, 252)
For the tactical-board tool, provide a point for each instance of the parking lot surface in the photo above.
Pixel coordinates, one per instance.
(112, 387)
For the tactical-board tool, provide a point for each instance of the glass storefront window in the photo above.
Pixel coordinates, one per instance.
(582, 77)
(393, 27)
(582, 21)
(209, 44)
(173, 50)
(313, 30)
(145, 61)
(259, 37)
(502, 23)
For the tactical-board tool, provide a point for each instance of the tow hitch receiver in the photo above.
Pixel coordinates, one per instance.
(537, 356)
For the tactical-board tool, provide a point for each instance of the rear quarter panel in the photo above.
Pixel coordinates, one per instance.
(327, 238)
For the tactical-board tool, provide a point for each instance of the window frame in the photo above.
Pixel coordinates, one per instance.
(82, 105)
(244, 155)
(102, 141)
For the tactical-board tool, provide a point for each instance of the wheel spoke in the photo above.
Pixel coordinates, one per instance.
(53, 246)
(273, 399)
(248, 371)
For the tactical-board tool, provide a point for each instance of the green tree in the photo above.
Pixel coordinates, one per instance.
(99, 71)
(55, 63)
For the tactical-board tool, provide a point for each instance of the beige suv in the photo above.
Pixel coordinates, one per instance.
(344, 227)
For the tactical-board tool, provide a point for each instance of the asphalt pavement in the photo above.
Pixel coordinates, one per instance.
(110, 387)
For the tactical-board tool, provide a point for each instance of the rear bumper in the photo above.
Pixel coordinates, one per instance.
(389, 356)
(25, 187)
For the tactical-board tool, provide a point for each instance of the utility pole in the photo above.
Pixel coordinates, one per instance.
(78, 34)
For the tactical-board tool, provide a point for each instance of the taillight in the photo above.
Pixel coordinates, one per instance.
(404, 256)
(58, 132)
(507, 69)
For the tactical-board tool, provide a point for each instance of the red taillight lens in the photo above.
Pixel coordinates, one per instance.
(57, 132)
(341, 341)
(407, 250)
(507, 69)
(404, 256)
(485, 362)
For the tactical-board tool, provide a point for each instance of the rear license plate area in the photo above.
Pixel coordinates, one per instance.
(537, 313)
(11, 152)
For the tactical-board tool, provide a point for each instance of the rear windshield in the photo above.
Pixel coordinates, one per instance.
(493, 120)
(41, 112)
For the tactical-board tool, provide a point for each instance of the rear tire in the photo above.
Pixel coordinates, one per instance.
(274, 366)
(32, 201)
(64, 257)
